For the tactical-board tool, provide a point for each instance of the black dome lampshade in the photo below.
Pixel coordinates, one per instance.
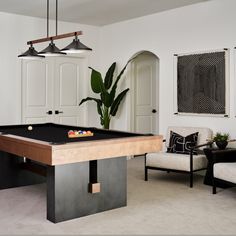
(76, 47)
(51, 50)
(31, 53)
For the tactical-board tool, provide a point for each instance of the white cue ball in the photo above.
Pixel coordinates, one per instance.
(30, 127)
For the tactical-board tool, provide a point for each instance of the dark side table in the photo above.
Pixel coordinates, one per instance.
(215, 155)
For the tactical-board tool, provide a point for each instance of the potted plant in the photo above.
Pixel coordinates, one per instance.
(108, 103)
(221, 140)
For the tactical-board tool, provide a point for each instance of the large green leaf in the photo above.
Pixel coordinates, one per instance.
(98, 101)
(96, 81)
(113, 89)
(117, 101)
(101, 121)
(106, 118)
(109, 76)
(106, 99)
(122, 72)
(99, 109)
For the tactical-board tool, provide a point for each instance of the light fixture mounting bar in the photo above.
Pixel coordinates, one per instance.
(52, 38)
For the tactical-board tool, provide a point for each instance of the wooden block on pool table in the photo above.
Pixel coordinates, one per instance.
(79, 135)
(94, 188)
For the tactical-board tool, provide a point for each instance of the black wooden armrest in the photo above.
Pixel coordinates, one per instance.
(199, 151)
(202, 145)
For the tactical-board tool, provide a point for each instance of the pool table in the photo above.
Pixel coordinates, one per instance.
(84, 175)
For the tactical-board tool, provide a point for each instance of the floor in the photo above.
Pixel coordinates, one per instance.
(163, 205)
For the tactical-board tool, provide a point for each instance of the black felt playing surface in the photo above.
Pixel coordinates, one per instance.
(58, 134)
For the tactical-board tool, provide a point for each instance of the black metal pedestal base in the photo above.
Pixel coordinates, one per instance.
(68, 195)
(67, 189)
(13, 175)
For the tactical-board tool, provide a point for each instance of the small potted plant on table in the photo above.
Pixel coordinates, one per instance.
(221, 140)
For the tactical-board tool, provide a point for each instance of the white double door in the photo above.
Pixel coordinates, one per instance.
(52, 89)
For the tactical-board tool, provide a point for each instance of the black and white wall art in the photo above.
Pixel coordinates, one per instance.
(202, 83)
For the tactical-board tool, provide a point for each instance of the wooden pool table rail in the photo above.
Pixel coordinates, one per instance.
(49, 154)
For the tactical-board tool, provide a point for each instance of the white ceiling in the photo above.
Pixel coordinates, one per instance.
(92, 12)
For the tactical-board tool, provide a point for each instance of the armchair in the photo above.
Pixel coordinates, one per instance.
(180, 163)
(224, 170)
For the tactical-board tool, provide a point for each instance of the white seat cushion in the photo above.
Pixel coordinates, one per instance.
(175, 161)
(225, 171)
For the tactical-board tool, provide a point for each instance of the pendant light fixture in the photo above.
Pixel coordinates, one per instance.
(31, 53)
(51, 50)
(75, 47)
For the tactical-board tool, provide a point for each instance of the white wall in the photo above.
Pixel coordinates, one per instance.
(15, 31)
(199, 27)
(204, 26)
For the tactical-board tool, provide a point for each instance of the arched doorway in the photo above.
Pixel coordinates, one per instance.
(144, 93)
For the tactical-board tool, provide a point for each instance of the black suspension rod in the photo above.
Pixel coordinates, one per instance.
(56, 15)
(47, 18)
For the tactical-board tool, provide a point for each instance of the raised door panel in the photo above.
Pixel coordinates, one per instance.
(68, 120)
(36, 120)
(68, 90)
(143, 124)
(68, 84)
(144, 91)
(37, 98)
(144, 85)
(36, 84)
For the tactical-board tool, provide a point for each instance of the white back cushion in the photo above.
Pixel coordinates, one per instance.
(204, 134)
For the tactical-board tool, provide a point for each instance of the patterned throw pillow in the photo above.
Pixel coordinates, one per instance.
(182, 145)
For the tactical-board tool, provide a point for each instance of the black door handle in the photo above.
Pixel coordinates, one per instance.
(154, 111)
(58, 112)
(49, 112)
